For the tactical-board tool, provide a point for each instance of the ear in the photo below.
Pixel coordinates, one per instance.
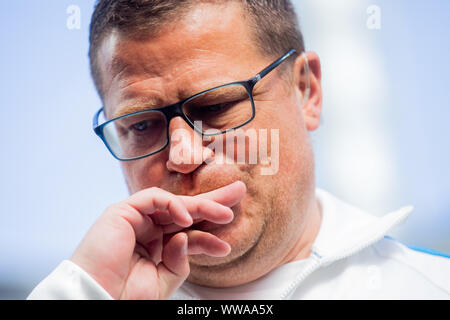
(307, 72)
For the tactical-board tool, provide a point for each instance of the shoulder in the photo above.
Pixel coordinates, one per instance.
(386, 269)
(356, 262)
(424, 270)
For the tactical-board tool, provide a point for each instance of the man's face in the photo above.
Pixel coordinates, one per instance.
(210, 46)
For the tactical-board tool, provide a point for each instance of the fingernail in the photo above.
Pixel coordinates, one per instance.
(231, 218)
(227, 245)
(185, 244)
(188, 218)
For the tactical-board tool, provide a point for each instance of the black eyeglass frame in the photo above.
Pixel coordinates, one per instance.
(176, 109)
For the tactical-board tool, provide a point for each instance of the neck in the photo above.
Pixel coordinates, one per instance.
(302, 247)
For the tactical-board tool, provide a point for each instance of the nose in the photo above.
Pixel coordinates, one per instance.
(186, 149)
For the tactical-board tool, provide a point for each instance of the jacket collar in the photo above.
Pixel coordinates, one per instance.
(346, 229)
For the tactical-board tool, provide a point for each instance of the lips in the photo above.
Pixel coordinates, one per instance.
(205, 178)
(209, 177)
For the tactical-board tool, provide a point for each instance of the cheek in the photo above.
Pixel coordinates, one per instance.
(283, 116)
(145, 173)
(295, 157)
(283, 111)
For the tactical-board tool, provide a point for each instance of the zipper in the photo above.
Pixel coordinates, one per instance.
(314, 264)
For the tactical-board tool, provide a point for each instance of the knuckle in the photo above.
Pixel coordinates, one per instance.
(154, 189)
(116, 209)
(157, 191)
(148, 192)
(112, 208)
(206, 206)
(201, 207)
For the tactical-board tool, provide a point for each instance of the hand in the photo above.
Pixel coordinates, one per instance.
(138, 248)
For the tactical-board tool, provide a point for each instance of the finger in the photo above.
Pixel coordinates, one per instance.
(229, 195)
(199, 209)
(154, 250)
(174, 268)
(206, 243)
(125, 218)
(173, 228)
(162, 217)
(148, 201)
(204, 209)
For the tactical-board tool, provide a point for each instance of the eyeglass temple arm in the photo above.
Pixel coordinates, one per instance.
(268, 69)
(95, 119)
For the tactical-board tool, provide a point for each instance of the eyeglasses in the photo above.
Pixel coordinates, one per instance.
(211, 112)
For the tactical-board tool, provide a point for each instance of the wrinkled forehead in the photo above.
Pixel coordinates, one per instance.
(210, 45)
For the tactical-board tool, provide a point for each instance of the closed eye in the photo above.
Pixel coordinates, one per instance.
(217, 107)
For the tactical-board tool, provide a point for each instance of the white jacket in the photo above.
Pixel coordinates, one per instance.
(350, 259)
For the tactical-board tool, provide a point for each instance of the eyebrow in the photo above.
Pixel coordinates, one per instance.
(136, 107)
(230, 93)
(153, 103)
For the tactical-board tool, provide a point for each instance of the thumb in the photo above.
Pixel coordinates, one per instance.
(174, 268)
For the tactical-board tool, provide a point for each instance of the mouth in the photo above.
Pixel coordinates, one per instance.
(205, 187)
(210, 177)
(206, 226)
(206, 181)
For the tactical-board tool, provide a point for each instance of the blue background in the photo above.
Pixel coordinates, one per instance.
(383, 141)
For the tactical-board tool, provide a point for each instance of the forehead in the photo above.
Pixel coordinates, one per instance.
(210, 45)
